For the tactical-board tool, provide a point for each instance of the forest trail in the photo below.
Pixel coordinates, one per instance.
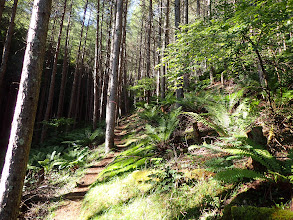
(73, 200)
(71, 208)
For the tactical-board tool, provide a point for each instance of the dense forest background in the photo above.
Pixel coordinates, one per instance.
(199, 74)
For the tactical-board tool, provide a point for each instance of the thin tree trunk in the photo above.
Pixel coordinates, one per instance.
(2, 3)
(7, 45)
(53, 75)
(122, 60)
(96, 71)
(81, 72)
(76, 72)
(102, 72)
(125, 62)
(11, 184)
(139, 75)
(186, 73)
(48, 65)
(148, 49)
(113, 83)
(159, 45)
(125, 93)
(198, 8)
(163, 81)
(64, 68)
(107, 69)
(179, 90)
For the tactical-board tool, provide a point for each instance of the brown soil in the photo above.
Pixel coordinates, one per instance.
(71, 209)
(73, 200)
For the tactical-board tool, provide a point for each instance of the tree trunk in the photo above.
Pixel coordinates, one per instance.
(96, 71)
(103, 104)
(186, 73)
(102, 72)
(125, 94)
(163, 81)
(198, 8)
(2, 3)
(7, 44)
(14, 170)
(122, 61)
(179, 90)
(80, 73)
(49, 55)
(148, 49)
(64, 68)
(77, 66)
(159, 71)
(53, 75)
(113, 83)
(140, 63)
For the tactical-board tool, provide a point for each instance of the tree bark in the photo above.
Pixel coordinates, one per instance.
(7, 44)
(80, 73)
(198, 8)
(159, 45)
(122, 61)
(102, 67)
(186, 73)
(179, 90)
(113, 83)
(139, 74)
(148, 49)
(96, 71)
(167, 22)
(77, 66)
(14, 170)
(125, 94)
(49, 55)
(103, 104)
(53, 75)
(64, 68)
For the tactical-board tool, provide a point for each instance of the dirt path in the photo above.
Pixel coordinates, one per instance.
(71, 208)
(73, 200)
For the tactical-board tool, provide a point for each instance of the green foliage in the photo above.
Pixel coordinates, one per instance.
(167, 123)
(234, 41)
(150, 113)
(228, 114)
(235, 175)
(61, 122)
(136, 157)
(165, 180)
(59, 158)
(242, 146)
(87, 138)
(142, 85)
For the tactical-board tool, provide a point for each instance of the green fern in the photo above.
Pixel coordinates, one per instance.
(206, 122)
(135, 157)
(227, 114)
(150, 113)
(242, 146)
(234, 175)
(161, 134)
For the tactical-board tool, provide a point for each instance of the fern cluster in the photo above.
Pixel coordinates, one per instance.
(228, 114)
(161, 133)
(242, 146)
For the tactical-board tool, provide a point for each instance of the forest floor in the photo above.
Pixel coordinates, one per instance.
(118, 198)
(72, 201)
